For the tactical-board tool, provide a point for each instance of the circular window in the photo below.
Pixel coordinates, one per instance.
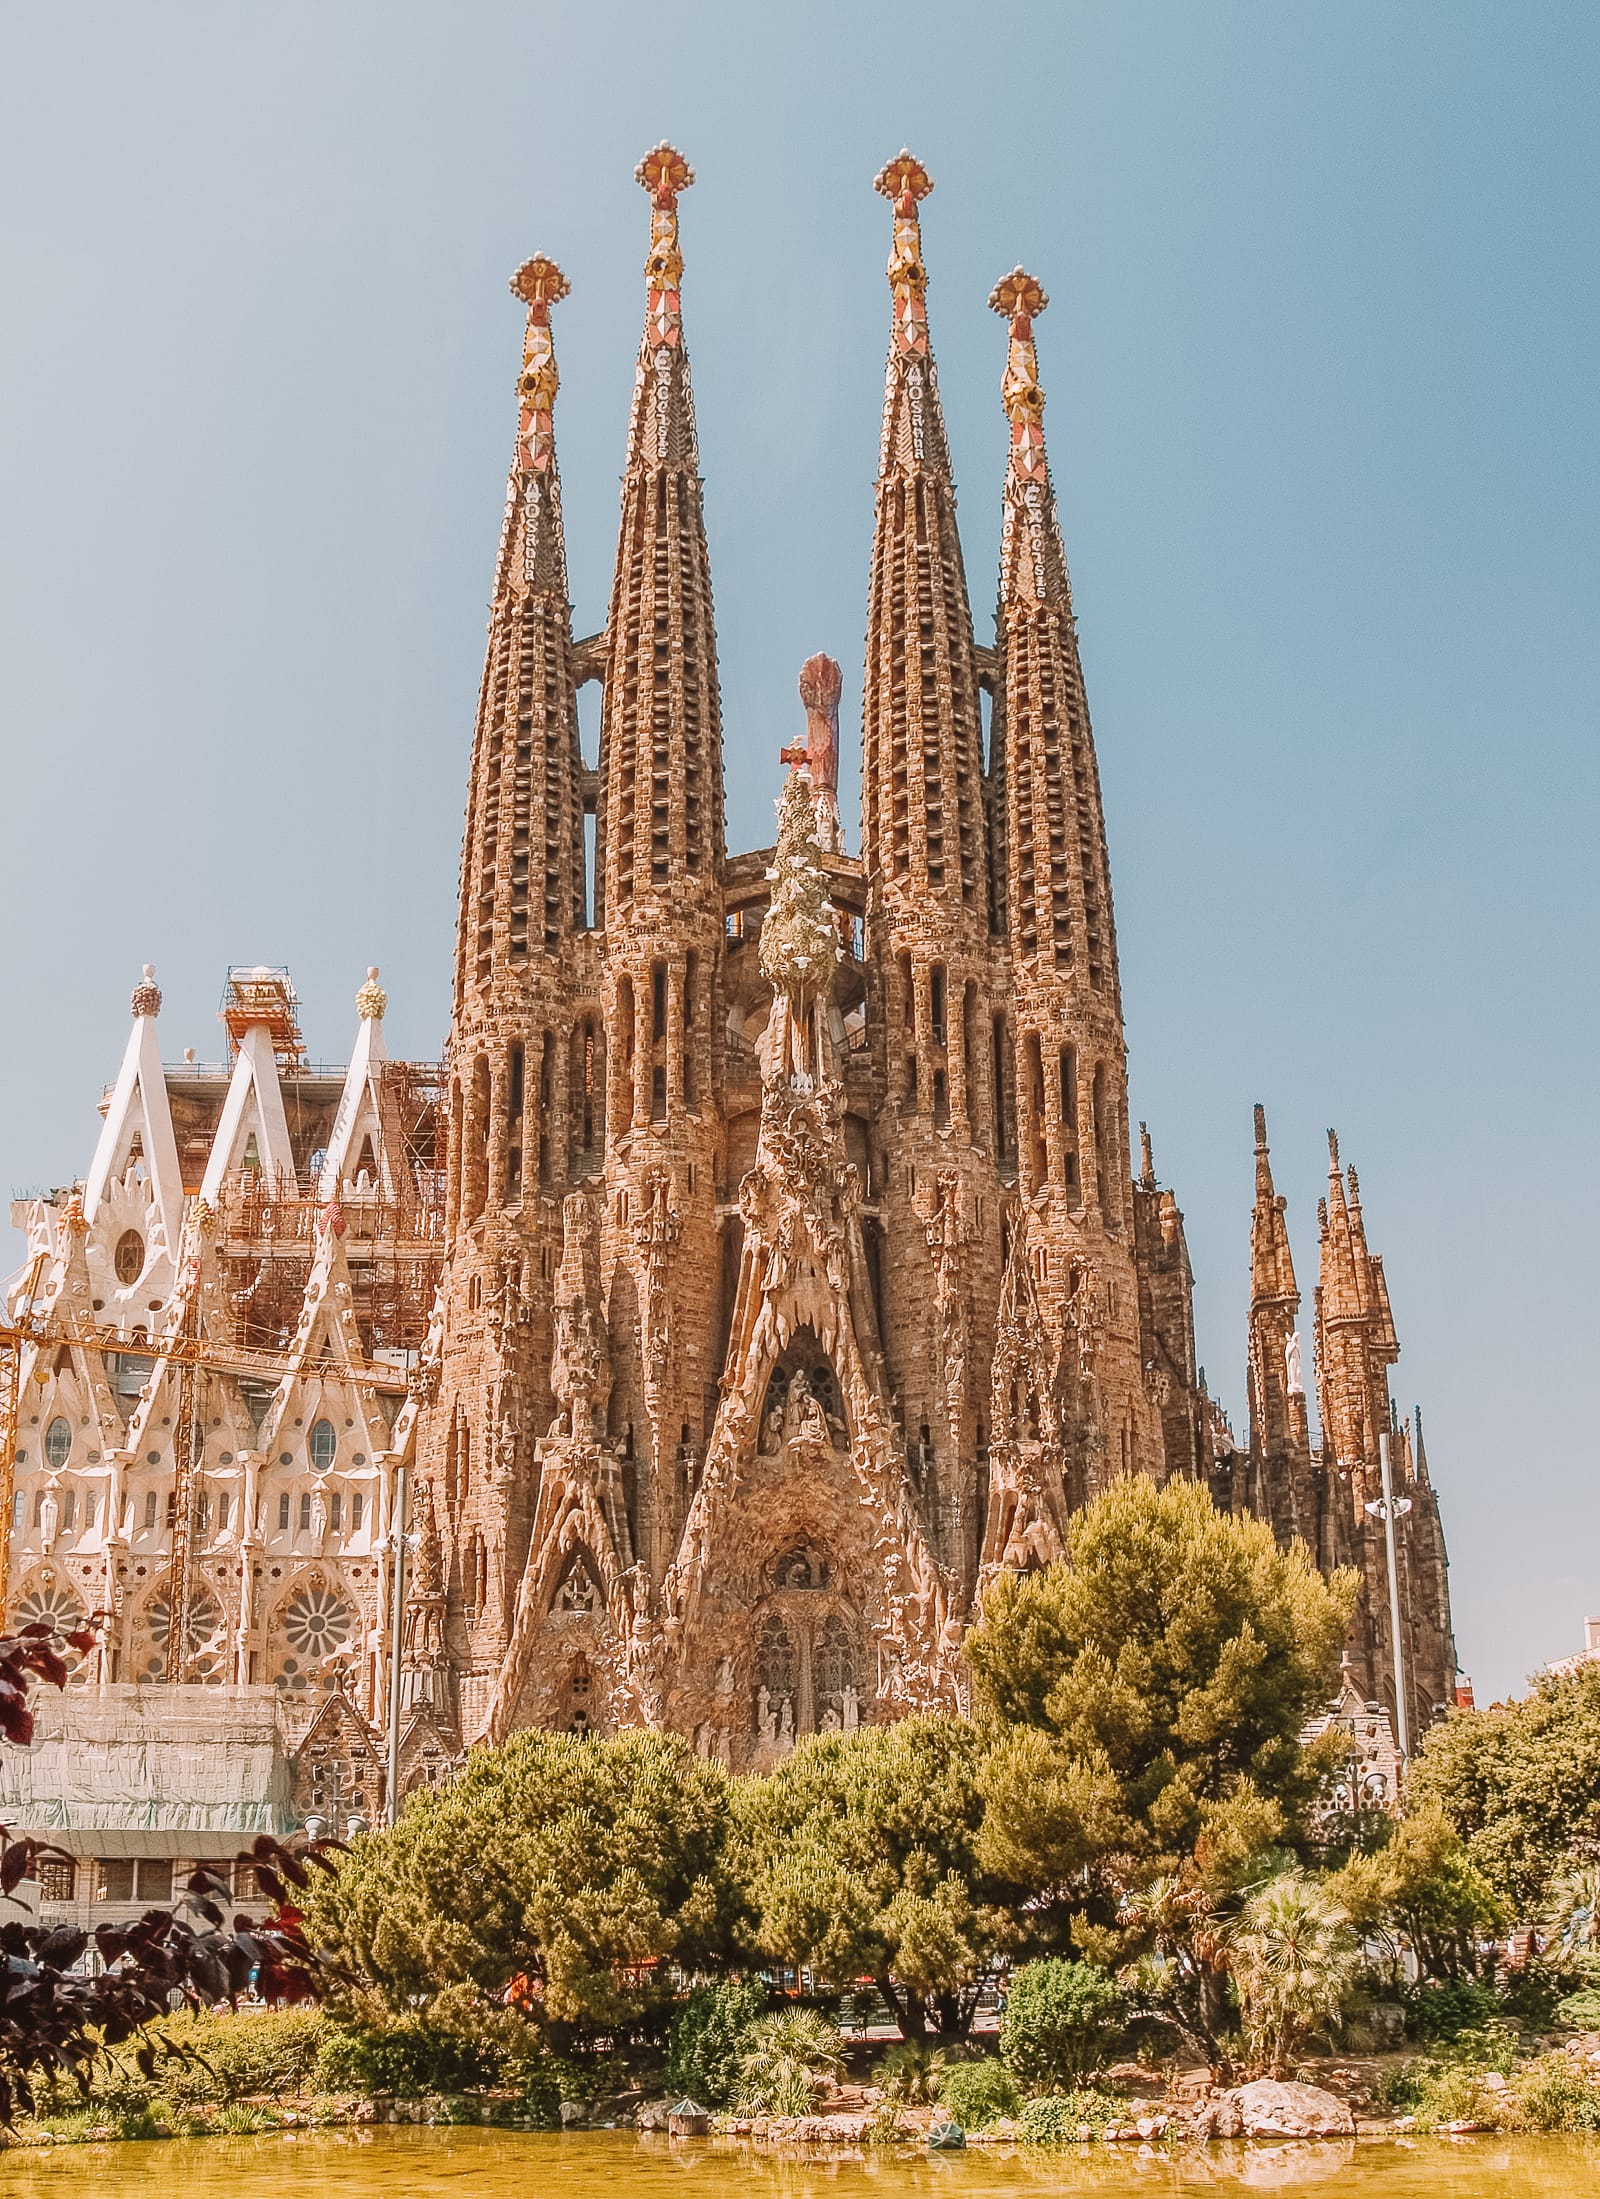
(203, 1631)
(57, 1607)
(317, 1622)
(128, 1258)
(57, 1444)
(324, 1442)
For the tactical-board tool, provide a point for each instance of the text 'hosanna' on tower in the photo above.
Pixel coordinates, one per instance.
(762, 1270)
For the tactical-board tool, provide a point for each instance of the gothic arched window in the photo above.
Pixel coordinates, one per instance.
(775, 1658)
(323, 1444)
(835, 1663)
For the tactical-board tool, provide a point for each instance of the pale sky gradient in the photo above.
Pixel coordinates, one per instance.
(1321, 362)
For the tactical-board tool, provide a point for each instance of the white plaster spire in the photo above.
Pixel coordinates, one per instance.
(253, 1108)
(360, 1114)
(140, 1109)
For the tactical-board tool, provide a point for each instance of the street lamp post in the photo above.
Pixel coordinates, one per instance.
(1389, 1508)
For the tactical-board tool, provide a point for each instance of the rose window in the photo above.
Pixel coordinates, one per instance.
(49, 1606)
(317, 1622)
(205, 1646)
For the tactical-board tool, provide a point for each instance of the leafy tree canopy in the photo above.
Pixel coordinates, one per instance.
(574, 1864)
(1422, 1886)
(1152, 1686)
(859, 1857)
(1520, 1783)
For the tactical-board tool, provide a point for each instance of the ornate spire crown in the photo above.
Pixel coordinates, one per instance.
(1020, 298)
(664, 173)
(540, 284)
(904, 182)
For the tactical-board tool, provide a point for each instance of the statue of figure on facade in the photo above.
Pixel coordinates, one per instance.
(1292, 1367)
(786, 1723)
(766, 1716)
(806, 1421)
(821, 685)
(850, 1708)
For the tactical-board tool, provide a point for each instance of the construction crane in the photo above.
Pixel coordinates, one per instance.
(194, 1356)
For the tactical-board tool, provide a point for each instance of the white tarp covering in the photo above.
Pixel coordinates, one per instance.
(154, 1771)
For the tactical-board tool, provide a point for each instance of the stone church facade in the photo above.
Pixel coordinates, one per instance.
(763, 1270)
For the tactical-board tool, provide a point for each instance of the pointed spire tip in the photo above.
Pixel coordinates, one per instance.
(539, 281)
(1019, 295)
(903, 177)
(663, 172)
(1261, 1128)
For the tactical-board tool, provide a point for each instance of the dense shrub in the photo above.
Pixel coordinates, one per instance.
(1445, 2010)
(707, 2037)
(1062, 2021)
(977, 2093)
(269, 2051)
(1056, 2118)
(403, 2055)
(1580, 2011)
(1553, 2092)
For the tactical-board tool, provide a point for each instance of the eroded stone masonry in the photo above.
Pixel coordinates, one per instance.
(764, 1269)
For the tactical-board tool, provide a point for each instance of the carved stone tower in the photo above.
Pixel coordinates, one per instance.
(1068, 1068)
(1285, 1487)
(925, 855)
(661, 859)
(1356, 1347)
(521, 912)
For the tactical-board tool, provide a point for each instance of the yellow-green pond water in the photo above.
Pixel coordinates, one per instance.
(484, 2164)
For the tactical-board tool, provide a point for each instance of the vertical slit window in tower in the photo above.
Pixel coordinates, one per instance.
(936, 994)
(658, 1001)
(691, 976)
(908, 998)
(1069, 1117)
(911, 1083)
(999, 1060)
(941, 1100)
(658, 1093)
(514, 1085)
(1038, 1160)
(590, 833)
(1102, 1147)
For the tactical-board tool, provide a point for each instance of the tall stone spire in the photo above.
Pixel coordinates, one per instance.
(522, 914)
(660, 860)
(1356, 1346)
(1283, 1489)
(1058, 895)
(925, 858)
(922, 808)
(661, 728)
(1070, 1062)
(522, 860)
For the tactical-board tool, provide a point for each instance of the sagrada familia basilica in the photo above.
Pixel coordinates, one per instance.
(763, 1271)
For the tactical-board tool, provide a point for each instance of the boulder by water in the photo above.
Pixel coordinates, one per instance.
(1270, 2109)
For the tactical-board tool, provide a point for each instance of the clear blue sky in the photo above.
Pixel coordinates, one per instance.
(1321, 369)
